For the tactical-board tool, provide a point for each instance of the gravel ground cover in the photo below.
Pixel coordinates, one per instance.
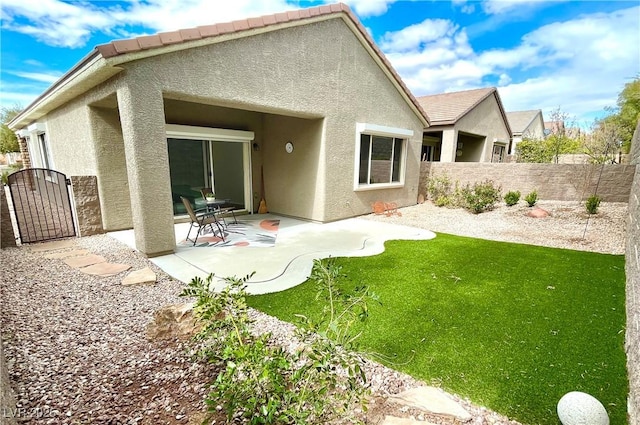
(77, 351)
(564, 228)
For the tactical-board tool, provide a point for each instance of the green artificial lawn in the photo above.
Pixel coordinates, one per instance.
(512, 327)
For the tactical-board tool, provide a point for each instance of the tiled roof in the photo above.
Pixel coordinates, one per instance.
(520, 120)
(448, 108)
(137, 44)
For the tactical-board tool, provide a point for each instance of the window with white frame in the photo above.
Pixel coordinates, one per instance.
(45, 156)
(381, 153)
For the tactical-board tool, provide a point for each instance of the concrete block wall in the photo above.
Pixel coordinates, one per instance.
(632, 342)
(560, 182)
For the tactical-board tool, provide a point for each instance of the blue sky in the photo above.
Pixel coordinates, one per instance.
(576, 55)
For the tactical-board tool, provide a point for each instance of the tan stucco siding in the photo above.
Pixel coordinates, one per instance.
(111, 168)
(485, 120)
(535, 129)
(311, 71)
(70, 143)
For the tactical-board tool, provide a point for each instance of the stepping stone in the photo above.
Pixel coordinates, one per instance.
(140, 277)
(84, 261)
(392, 420)
(66, 254)
(52, 246)
(432, 400)
(105, 269)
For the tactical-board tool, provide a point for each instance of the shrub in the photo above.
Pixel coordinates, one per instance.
(592, 204)
(531, 198)
(481, 197)
(439, 187)
(512, 198)
(260, 383)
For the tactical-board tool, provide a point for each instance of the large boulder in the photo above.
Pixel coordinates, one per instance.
(173, 321)
(577, 408)
(538, 213)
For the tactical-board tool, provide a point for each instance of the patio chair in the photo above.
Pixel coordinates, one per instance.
(201, 221)
(219, 209)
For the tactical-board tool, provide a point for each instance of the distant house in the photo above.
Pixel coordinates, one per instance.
(304, 98)
(525, 124)
(466, 126)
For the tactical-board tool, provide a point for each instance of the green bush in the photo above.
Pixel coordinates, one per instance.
(592, 204)
(439, 187)
(481, 197)
(512, 198)
(260, 383)
(531, 198)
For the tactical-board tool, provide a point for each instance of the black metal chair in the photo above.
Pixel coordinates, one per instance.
(201, 221)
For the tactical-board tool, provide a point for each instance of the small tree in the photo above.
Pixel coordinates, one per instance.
(8, 139)
(603, 142)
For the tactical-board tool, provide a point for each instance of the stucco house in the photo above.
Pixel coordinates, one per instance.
(304, 98)
(525, 124)
(466, 126)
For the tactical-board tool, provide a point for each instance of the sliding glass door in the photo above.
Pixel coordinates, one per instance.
(197, 162)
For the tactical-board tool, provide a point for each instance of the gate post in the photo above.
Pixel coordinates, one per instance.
(87, 202)
(7, 237)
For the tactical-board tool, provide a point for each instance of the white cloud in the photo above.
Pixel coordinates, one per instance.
(418, 35)
(58, 23)
(37, 76)
(497, 7)
(580, 64)
(364, 8)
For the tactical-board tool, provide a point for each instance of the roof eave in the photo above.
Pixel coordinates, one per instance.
(89, 72)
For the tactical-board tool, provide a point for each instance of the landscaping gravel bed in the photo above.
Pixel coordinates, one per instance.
(76, 346)
(569, 225)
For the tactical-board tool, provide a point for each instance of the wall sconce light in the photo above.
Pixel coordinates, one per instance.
(459, 145)
(256, 146)
(459, 152)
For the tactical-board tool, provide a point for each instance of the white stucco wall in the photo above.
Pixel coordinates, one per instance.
(485, 120)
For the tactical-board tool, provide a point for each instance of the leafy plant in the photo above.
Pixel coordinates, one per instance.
(531, 198)
(592, 204)
(481, 197)
(512, 198)
(439, 187)
(261, 383)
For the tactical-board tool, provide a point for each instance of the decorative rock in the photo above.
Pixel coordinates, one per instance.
(84, 261)
(578, 408)
(67, 254)
(421, 199)
(538, 213)
(171, 321)
(392, 420)
(105, 269)
(140, 277)
(432, 400)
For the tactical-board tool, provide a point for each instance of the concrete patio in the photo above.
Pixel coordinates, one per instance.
(289, 262)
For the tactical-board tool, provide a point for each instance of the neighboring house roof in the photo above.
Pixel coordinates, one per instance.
(102, 63)
(520, 120)
(448, 108)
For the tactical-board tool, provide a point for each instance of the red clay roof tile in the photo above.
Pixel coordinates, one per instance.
(208, 30)
(281, 17)
(149, 41)
(171, 37)
(190, 34)
(225, 27)
(125, 46)
(240, 25)
(255, 22)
